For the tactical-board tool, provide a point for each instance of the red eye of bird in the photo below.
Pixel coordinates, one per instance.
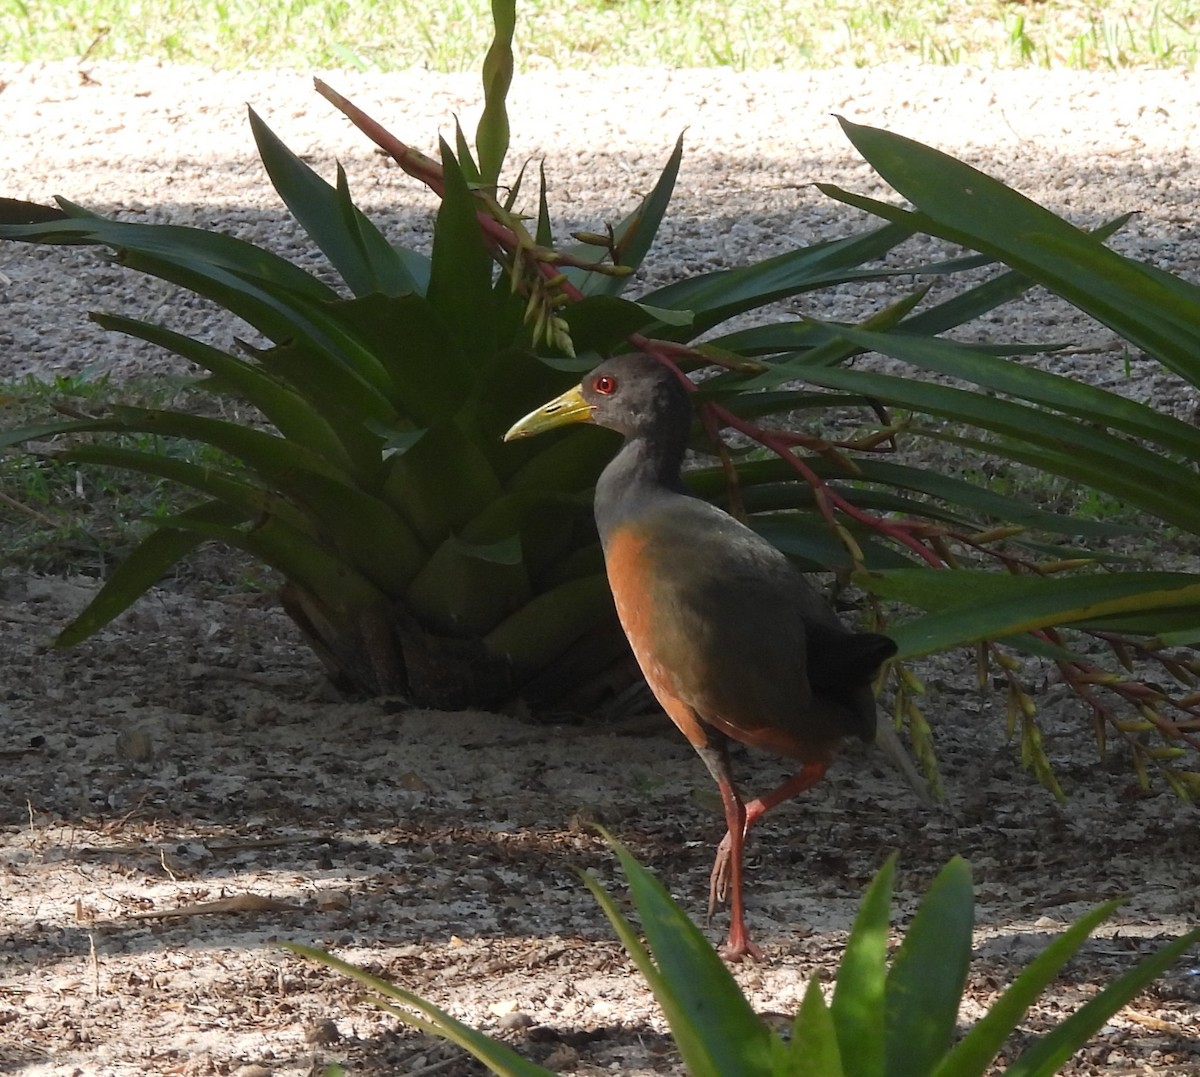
(605, 385)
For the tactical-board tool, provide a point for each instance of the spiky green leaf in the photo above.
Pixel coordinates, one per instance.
(144, 567)
(967, 606)
(632, 237)
(717, 1032)
(814, 1048)
(1047, 1056)
(972, 1055)
(715, 297)
(967, 206)
(351, 242)
(291, 414)
(1065, 446)
(925, 983)
(498, 1057)
(460, 280)
(1066, 396)
(857, 1007)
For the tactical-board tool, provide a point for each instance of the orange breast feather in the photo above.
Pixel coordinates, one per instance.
(631, 577)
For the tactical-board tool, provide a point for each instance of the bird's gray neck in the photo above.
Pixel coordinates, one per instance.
(640, 473)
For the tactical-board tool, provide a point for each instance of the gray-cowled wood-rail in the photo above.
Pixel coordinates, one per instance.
(732, 639)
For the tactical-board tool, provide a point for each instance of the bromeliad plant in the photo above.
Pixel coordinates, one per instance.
(421, 556)
(881, 1021)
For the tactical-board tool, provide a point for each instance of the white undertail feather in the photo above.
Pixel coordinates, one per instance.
(892, 747)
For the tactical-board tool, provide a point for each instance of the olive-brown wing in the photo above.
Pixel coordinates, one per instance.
(717, 618)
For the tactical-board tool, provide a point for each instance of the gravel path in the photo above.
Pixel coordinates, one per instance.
(188, 753)
(164, 143)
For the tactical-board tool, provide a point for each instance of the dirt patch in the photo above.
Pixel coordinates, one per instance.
(191, 755)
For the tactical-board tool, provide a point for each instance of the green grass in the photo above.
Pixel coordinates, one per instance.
(452, 35)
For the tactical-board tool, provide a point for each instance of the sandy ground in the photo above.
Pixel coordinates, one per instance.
(191, 754)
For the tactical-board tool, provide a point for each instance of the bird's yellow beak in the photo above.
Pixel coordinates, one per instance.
(568, 408)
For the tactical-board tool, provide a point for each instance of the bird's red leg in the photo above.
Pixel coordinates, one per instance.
(710, 746)
(728, 861)
(738, 944)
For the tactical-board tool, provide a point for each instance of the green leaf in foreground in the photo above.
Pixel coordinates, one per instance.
(897, 1023)
(415, 1011)
(858, 996)
(928, 975)
(713, 1024)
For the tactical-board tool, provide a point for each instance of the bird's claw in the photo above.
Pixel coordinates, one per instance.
(718, 881)
(740, 949)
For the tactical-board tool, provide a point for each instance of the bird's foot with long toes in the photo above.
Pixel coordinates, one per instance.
(738, 947)
(722, 871)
